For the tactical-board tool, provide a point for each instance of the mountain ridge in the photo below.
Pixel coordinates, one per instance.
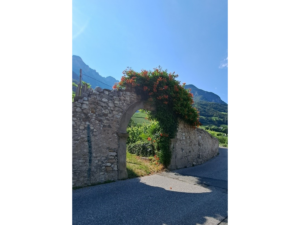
(90, 75)
(201, 95)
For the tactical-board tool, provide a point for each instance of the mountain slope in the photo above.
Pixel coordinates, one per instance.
(200, 95)
(89, 75)
(75, 77)
(213, 111)
(212, 114)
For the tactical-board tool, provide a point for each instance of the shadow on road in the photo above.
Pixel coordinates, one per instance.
(135, 202)
(183, 197)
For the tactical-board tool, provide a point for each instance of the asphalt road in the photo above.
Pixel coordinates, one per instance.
(195, 195)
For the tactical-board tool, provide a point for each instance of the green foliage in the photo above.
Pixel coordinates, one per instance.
(137, 166)
(141, 148)
(172, 102)
(222, 137)
(140, 118)
(83, 83)
(73, 96)
(131, 123)
(75, 86)
(212, 114)
(222, 140)
(223, 128)
(142, 132)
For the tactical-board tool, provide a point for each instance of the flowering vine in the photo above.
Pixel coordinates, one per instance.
(171, 99)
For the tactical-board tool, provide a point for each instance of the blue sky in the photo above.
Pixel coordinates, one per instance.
(188, 37)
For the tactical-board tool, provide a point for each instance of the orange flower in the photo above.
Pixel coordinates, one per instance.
(144, 73)
(149, 139)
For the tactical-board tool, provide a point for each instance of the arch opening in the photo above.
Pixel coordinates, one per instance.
(123, 135)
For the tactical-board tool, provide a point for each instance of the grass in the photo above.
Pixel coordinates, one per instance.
(138, 167)
(223, 140)
(139, 118)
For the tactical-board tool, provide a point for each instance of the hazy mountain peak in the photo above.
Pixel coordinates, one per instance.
(90, 75)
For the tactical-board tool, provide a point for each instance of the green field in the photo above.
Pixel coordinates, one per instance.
(139, 118)
(223, 140)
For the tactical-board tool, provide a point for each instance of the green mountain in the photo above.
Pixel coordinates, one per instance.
(213, 111)
(200, 95)
(212, 114)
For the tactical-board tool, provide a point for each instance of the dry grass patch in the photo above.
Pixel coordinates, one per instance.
(141, 166)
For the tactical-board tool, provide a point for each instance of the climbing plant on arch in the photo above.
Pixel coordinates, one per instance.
(171, 99)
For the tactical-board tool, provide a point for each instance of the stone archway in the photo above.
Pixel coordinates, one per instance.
(100, 119)
(122, 172)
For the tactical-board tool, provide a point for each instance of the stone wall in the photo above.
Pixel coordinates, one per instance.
(192, 147)
(96, 119)
(100, 118)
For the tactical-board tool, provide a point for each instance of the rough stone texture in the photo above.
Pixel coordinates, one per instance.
(192, 147)
(100, 118)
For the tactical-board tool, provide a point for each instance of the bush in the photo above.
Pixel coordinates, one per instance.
(138, 132)
(141, 148)
(222, 140)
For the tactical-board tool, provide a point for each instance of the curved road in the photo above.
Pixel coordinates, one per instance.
(195, 195)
